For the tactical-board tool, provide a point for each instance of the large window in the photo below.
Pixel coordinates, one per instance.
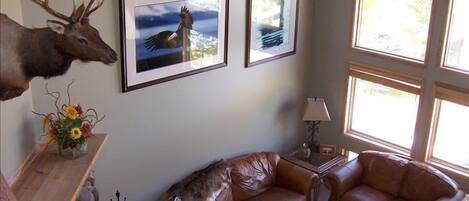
(450, 128)
(456, 55)
(388, 110)
(382, 107)
(397, 28)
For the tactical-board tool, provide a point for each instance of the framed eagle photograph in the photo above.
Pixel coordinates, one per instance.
(163, 40)
(272, 27)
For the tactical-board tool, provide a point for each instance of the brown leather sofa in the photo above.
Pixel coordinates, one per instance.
(267, 177)
(377, 176)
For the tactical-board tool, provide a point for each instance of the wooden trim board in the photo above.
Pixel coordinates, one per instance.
(50, 177)
(27, 162)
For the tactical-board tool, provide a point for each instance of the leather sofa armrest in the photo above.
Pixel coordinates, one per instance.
(341, 179)
(460, 195)
(296, 178)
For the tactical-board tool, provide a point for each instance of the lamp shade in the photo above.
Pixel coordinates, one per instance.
(316, 110)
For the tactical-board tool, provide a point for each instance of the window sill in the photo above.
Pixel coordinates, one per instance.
(390, 56)
(455, 71)
(447, 168)
(376, 142)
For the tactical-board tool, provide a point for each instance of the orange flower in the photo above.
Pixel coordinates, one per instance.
(50, 138)
(47, 119)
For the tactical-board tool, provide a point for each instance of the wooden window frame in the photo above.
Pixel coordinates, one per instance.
(445, 92)
(392, 79)
(386, 55)
(444, 45)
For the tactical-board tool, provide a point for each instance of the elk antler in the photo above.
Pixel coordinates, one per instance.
(77, 13)
(89, 9)
(45, 4)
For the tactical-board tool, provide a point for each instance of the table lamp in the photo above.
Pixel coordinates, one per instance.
(315, 112)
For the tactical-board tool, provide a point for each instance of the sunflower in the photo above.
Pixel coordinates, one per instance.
(71, 112)
(75, 133)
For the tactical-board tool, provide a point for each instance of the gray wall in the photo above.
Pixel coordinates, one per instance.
(16, 120)
(161, 133)
(332, 21)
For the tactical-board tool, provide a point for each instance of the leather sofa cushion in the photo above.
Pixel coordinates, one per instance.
(253, 174)
(279, 194)
(365, 193)
(383, 171)
(425, 183)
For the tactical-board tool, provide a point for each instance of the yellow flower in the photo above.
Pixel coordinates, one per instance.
(71, 112)
(50, 138)
(75, 133)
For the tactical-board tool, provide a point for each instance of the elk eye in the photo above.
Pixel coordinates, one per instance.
(83, 41)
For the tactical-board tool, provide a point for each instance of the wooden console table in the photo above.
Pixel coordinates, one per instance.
(50, 177)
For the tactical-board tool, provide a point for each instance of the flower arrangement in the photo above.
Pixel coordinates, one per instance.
(69, 126)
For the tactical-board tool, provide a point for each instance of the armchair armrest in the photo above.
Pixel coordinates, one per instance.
(458, 197)
(341, 179)
(296, 178)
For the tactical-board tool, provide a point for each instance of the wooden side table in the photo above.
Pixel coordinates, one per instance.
(316, 163)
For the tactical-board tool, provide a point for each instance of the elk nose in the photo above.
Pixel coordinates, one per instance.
(113, 56)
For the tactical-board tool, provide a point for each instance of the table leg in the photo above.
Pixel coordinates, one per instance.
(316, 193)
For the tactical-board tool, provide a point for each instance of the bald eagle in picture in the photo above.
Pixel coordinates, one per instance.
(174, 39)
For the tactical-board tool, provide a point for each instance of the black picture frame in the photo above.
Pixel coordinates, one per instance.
(249, 38)
(124, 26)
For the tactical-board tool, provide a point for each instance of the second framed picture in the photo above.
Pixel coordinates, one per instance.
(271, 30)
(164, 40)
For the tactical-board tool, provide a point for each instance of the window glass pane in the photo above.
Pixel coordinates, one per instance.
(452, 134)
(397, 27)
(457, 50)
(385, 113)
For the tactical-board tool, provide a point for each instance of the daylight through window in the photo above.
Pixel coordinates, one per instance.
(450, 128)
(382, 108)
(398, 28)
(456, 55)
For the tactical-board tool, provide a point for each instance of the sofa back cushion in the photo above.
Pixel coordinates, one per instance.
(253, 174)
(383, 171)
(425, 183)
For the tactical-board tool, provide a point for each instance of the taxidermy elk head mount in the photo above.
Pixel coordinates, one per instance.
(48, 52)
(78, 37)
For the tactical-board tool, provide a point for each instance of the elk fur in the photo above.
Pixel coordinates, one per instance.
(202, 185)
(46, 52)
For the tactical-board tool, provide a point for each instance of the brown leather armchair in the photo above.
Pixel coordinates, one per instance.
(267, 177)
(378, 176)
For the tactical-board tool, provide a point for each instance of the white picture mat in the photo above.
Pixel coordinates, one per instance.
(134, 78)
(257, 55)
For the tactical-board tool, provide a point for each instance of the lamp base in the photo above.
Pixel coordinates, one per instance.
(313, 144)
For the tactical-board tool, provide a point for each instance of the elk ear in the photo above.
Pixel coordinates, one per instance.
(56, 26)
